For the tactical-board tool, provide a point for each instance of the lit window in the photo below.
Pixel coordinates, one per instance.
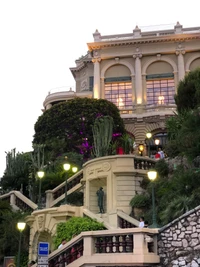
(119, 93)
(160, 91)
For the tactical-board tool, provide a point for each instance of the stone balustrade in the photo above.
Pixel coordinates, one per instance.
(18, 201)
(111, 247)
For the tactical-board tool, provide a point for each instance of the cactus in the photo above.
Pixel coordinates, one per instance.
(102, 134)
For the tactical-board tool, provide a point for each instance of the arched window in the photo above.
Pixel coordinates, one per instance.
(118, 87)
(160, 84)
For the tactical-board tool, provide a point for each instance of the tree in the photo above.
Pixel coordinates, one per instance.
(16, 175)
(188, 91)
(71, 123)
(9, 236)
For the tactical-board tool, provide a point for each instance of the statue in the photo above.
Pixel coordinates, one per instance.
(100, 195)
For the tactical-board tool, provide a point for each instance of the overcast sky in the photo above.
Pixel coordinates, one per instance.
(40, 40)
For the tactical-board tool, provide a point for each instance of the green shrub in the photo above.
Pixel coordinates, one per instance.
(140, 201)
(74, 226)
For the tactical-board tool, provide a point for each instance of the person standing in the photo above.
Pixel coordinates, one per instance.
(62, 243)
(161, 153)
(141, 224)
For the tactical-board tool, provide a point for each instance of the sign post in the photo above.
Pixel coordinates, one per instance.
(43, 253)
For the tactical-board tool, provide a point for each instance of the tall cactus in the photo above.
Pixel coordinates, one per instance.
(102, 134)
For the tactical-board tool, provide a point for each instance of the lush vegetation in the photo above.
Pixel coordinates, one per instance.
(9, 234)
(67, 126)
(188, 92)
(73, 227)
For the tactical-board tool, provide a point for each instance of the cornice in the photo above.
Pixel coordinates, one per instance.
(143, 40)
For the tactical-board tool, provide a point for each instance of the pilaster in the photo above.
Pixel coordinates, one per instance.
(180, 51)
(96, 60)
(138, 77)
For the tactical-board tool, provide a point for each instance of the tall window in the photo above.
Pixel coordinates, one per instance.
(160, 90)
(119, 93)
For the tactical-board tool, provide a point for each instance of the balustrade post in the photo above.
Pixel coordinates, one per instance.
(49, 198)
(140, 246)
(12, 199)
(88, 245)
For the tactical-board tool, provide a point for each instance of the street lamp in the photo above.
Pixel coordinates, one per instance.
(157, 142)
(66, 167)
(141, 149)
(149, 135)
(40, 175)
(152, 174)
(20, 226)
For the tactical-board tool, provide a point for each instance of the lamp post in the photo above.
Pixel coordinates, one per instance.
(20, 226)
(157, 142)
(66, 167)
(152, 176)
(40, 175)
(141, 149)
(149, 135)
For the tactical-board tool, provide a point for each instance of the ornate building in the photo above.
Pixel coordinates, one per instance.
(139, 72)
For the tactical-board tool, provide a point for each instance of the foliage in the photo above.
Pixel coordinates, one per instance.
(71, 123)
(140, 201)
(162, 168)
(177, 207)
(9, 236)
(17, 172)
(175, 193)
(188, 91)
(102, 133)
(126, 141)
(73, 227)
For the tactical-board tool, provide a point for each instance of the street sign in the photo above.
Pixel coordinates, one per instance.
(43, 249)
(43, 260)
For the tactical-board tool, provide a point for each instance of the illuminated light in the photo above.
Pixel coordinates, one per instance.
(161, 100)
(152, 175)
(148, 135)
(139, 101)
(157, 142)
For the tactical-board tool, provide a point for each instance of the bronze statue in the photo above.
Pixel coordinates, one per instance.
(100, 195)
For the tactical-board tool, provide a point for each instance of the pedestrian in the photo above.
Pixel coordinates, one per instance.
(146, 224)
(161, 153)
(62, 243)
(141, 224)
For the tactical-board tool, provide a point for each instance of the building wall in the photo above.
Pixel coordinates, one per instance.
(137, 55)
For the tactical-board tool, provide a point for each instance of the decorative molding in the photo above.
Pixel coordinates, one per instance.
(163, 58)
(190, 60)
(180, 50)
(105, 167)
(113, 63)
(41, 222)
(96, 60)
(138, 53)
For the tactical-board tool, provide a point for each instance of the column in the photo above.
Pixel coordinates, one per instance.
(144, 89)
(96, 90)
(181, 68)
(138, 77)
(102, 93)
(133, 89)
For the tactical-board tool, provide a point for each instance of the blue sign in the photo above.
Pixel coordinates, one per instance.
(43, 249)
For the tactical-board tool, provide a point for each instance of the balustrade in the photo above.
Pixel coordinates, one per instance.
(72, 181)
(143, 163)
(124, 242)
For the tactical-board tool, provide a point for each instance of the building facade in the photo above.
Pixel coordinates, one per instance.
(138, 72)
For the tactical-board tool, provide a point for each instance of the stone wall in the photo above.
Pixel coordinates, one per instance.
(179, 241)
